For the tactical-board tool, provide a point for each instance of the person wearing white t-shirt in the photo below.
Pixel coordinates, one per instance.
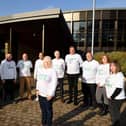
(38, 65)
(102, 73)
(59, 66)
(73, 63)
(46, 87)
(25, 67)
(89, 70)
(8, 77)
(114, 85)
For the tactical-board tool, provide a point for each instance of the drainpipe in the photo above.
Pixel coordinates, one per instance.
(43, 38)
(10, 43)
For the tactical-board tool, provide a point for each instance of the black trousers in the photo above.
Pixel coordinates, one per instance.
(73, 86)
(89, 91)
(60, 85)
(9, 89)
(114, 107)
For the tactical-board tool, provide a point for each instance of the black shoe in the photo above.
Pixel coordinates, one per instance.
(62, 100)
(100, 106)
(84, 105)
(104, 112)
(99, 111)
(75, 103)
(70, 101)
(1, 106)
(92, 107)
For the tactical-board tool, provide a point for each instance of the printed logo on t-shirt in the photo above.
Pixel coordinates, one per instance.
(43, 77)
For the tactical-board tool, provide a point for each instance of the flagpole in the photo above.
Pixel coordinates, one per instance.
(93, 25)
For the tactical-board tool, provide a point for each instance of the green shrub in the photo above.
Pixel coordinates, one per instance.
(119, 56)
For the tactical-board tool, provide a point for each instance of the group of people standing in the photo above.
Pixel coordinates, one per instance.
(102, 82)
(9, 76)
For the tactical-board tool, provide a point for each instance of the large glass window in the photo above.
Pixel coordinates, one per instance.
(78, 32)
(109, 15)
(108, 33)
(89, 33)
(121, 34)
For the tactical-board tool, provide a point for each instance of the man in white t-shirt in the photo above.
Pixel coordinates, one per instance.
(73, 62)
(89, 70)
(25, 67)
(59, 66)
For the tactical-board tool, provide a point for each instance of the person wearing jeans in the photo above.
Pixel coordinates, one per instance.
(46, 87)
(47, 112)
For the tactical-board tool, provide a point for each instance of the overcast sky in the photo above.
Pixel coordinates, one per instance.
(8, 7)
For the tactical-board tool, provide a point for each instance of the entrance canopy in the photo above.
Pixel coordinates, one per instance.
(33, 32)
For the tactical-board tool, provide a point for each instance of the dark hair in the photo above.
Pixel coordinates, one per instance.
(72, 47)
(115, 62)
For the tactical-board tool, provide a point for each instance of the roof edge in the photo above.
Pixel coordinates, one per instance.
(30, 15)
(68, 11)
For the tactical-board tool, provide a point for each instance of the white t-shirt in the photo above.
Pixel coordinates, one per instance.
(115, 81)
(38, 65)
(59, 66)
(103, 72)
(73, 63)
(89, 69)
(46, 82)
(24, 68)
(8, 70)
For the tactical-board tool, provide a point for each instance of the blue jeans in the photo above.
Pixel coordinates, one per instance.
(46, 109)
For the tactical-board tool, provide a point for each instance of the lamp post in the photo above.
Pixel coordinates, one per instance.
(93, 25)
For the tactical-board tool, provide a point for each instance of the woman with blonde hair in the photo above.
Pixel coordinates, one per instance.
(46, 86)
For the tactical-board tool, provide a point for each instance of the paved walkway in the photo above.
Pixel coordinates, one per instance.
(27, 113)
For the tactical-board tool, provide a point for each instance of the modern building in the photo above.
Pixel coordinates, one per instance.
(109, 30)
(47, 30)
(32, 32)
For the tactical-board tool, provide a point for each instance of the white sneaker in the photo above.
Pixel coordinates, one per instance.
(36, 99)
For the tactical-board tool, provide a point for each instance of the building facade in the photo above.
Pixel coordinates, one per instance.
(48, 30)
(34, 32)
(109, 30)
